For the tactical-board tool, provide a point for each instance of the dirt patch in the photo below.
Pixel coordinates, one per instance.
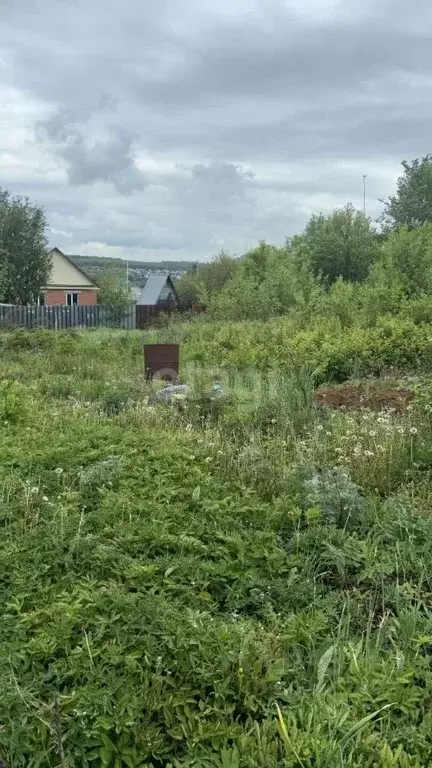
(358, 396)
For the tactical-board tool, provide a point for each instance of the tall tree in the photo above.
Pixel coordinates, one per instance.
(342, 244)
(269, 281)
(24, 262)
(406, 261)
(114, 294)
(204, 280)
(411, 206)
(2, 276)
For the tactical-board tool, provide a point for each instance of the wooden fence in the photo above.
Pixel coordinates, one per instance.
(85, 316)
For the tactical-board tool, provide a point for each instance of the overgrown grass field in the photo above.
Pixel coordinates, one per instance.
(239, 579)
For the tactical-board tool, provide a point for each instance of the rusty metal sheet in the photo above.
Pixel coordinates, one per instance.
(161, 361)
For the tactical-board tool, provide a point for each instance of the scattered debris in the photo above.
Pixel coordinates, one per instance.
(173, 392)
(352, 397)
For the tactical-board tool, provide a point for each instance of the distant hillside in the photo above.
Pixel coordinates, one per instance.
(138, 270)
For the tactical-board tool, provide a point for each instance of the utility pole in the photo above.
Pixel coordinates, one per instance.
(364, 194)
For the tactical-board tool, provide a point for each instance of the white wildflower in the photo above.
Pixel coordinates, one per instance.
(44, 498)
(413, 430)
(59, 470)
(372, 433)
(369, 453)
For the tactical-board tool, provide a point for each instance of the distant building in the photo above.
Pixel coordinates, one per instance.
(68, 284)
(159, 291)
(157, 295)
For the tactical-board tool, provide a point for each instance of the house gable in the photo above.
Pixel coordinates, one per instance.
(158, 289)
(65, 274)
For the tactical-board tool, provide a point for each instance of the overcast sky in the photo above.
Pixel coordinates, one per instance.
(174, 128)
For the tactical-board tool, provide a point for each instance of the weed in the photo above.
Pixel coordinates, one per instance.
(242, 581)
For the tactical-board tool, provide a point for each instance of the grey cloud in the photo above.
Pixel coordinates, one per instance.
(226, 94)
(92, 159)
(221, 174)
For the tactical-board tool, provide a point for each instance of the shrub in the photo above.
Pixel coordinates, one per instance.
(13, 402)
(115, 401)
(97, 476)
(22, 340)
(333, 492)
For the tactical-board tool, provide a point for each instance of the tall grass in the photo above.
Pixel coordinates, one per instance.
(238, 579)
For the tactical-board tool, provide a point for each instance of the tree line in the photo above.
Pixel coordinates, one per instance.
(393, 258)
(385, 261)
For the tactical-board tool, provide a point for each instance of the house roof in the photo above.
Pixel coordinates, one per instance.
(153, 288)
(76, 267)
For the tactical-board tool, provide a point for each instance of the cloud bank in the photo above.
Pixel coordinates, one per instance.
(172, 130)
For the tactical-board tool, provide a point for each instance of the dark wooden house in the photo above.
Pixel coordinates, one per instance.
(157, 296)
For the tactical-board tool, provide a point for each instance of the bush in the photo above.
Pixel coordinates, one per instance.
(22, 340)
(333, 493)
(115, 401)
(13, 402)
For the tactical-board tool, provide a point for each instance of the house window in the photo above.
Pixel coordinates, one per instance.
(72, 298)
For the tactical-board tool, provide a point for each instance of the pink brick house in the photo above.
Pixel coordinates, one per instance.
(68, 284)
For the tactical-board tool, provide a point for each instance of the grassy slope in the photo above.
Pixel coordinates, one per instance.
(157, 609)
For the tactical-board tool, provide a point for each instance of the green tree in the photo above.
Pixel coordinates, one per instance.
(2, 277)
(114, 294)
(406, 261)
(342, 244)
(238, 300)
(24, 262)
(411, 206)
(256, 262)
(204, 280)
(269, 281)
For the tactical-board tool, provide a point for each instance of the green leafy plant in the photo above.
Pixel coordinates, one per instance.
(115, 401)
(13, 402)
(334, 493)
(242, 586)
